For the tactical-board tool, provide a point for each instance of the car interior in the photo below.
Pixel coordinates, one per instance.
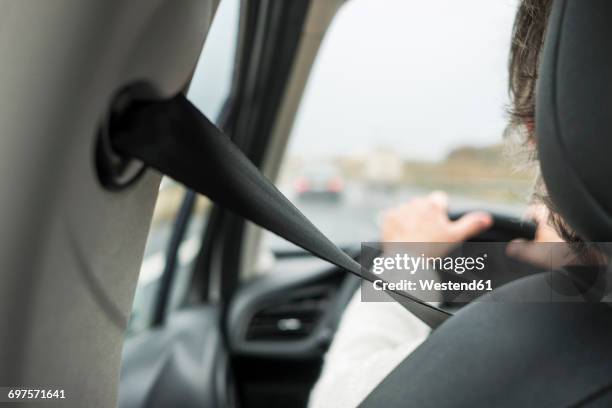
(170, 242)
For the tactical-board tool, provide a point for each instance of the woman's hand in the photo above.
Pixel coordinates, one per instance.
(425, 219)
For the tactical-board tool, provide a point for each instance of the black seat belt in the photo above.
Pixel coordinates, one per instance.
(175, 138)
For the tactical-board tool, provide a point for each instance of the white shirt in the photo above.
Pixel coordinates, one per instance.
(372, 339)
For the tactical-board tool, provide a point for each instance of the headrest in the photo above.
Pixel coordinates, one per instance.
(574, 115)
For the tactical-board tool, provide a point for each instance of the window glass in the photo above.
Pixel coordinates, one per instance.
(212, 80)
(209, 89)
(405, 97)
(167, 206)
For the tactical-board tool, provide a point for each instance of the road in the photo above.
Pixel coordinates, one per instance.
(356, 216)
(352, 219)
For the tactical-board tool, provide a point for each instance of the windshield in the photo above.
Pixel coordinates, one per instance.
(405, 97)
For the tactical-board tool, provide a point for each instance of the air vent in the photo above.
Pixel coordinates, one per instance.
(291, 319)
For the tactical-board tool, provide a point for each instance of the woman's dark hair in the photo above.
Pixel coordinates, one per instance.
(527, 40)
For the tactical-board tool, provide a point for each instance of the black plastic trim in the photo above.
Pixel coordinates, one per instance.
(290, 279)
(116, 172)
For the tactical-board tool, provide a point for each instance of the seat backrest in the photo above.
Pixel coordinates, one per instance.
(501, 352)
(574, 115)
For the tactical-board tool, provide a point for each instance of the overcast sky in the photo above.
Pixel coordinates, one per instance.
(418, 76)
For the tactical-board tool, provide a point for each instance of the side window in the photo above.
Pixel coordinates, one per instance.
(209, 90)
(169, 200)
(212, 79)
(412, 104)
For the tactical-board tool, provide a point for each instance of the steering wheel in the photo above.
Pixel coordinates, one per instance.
(505, 228)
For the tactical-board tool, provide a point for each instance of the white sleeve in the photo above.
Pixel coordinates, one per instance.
(372, 339)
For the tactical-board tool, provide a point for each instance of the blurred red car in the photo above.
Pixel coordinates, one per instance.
(319, 182)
